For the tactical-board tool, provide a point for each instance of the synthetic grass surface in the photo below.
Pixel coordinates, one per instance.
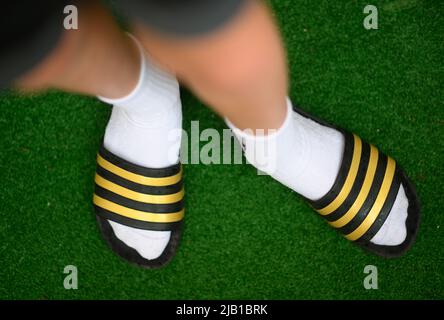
(246, 236)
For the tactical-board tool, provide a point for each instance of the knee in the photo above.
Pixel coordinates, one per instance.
(234, 73)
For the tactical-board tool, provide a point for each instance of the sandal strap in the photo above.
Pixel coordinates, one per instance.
(136, 196)
(364, 191)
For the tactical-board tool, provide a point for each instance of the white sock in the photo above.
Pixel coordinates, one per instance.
(139, 131)
(306, 157)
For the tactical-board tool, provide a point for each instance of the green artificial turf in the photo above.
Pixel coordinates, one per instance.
(246, 236)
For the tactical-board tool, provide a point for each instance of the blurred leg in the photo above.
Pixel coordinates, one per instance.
(100, 60)
(239, 70)
(96, 59)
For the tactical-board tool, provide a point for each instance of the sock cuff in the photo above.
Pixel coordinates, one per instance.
(245, 134)
(154, 83)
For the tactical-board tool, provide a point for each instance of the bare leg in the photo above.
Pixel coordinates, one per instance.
(96, 59)
(240, 70)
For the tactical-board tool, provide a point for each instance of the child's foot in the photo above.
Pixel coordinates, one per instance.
(359, 190)
(143, 138)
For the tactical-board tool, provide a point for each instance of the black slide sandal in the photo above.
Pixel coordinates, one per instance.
(363, 194)
(138, 197)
